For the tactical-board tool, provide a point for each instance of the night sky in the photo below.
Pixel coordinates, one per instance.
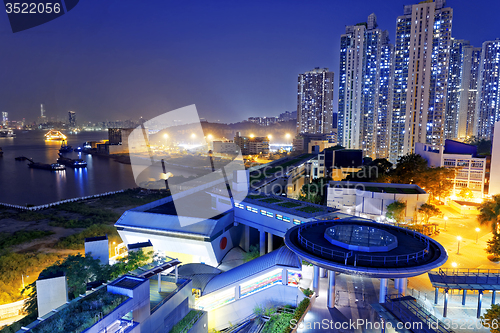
(121, 59)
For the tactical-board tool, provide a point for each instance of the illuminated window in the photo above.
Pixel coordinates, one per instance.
(279, 217)
(295, 221)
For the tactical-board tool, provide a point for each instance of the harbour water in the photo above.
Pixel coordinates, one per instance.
(21, 185)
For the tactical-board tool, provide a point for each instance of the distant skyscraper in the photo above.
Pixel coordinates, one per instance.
(364, 88)
(423, 40)
(488, 101)
(462, 89)
(43, 117)
(72, 118)
(315, 102)
(5, 119)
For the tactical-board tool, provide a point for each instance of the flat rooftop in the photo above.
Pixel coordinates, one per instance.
(198, 205)
(378, 187)
(291, 206)
(127, 283)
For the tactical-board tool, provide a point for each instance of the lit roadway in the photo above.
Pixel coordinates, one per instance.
(354, 293)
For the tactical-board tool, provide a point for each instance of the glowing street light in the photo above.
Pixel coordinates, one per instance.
(458, 239)
(269, 136)
(252, 136)
(287, 135)
(193, 136)
(210, 137)
(165, 136)
(477, 234)
(454, 264)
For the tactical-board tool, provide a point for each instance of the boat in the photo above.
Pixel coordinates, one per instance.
(65, 148)
(7, 133)
(73, 163)
(21, 158)
(78, 149)
(54, 135)
(51, 167)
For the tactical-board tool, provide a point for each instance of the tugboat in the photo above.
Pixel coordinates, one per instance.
(73, 163)
(21, 158)
(7, 133)
(51, 167)
(65, 148)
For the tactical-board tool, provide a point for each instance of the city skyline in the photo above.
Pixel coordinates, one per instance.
(115, 61)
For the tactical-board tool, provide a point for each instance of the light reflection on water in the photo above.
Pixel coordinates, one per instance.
(22, 185)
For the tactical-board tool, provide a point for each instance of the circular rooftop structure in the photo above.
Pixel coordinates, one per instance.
(361, 238)
(361, 247)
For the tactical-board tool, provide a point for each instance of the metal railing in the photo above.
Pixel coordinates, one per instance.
(367, 259)
(166, 299)
(409, 308)
(466, 271)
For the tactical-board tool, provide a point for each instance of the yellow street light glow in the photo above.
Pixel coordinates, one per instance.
(446, 218)
(165, 136)
(454, 264)
(269, 136)
(193, 135)
(459, 238)
(287, 135)
(478, 230)
(210, 137)
(252, 136)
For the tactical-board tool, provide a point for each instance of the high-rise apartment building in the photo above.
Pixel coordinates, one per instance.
(462, 90)
(72, 118)
(365, 87)
(315, 102)
(5, 119)
(487, 104)
(423, 40)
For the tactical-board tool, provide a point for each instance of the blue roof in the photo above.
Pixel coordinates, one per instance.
(282, 257)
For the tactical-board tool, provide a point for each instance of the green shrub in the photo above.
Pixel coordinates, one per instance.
(289, 204)
(299, 311)
(22, 236)
(77, 241)
(308, 292)
(185, 323)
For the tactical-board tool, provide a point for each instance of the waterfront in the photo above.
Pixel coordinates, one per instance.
(21, 185)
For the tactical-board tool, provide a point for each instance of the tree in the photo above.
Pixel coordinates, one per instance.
(372, 171)
(465, 194)
(489, 213)
(253, 252)
(396, 211)
(428, 211)
(491, 318)
(438, 182)
(409, 169)
(314, 191)
(483, 146)
(494, 245)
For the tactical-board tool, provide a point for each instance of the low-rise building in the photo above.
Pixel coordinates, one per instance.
(225, 147)
(470, 168)
(372, 199)
(252, 146)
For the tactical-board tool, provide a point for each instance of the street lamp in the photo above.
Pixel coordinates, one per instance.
(445, 219)
(251, 136)
(477, 234)
(454, 264)
(165, 136)
(458, 239)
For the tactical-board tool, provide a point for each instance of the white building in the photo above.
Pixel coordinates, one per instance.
(225, 147)
(372, 199)
(471, 169)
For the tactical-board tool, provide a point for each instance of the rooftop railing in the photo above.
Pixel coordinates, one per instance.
(364, 259)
